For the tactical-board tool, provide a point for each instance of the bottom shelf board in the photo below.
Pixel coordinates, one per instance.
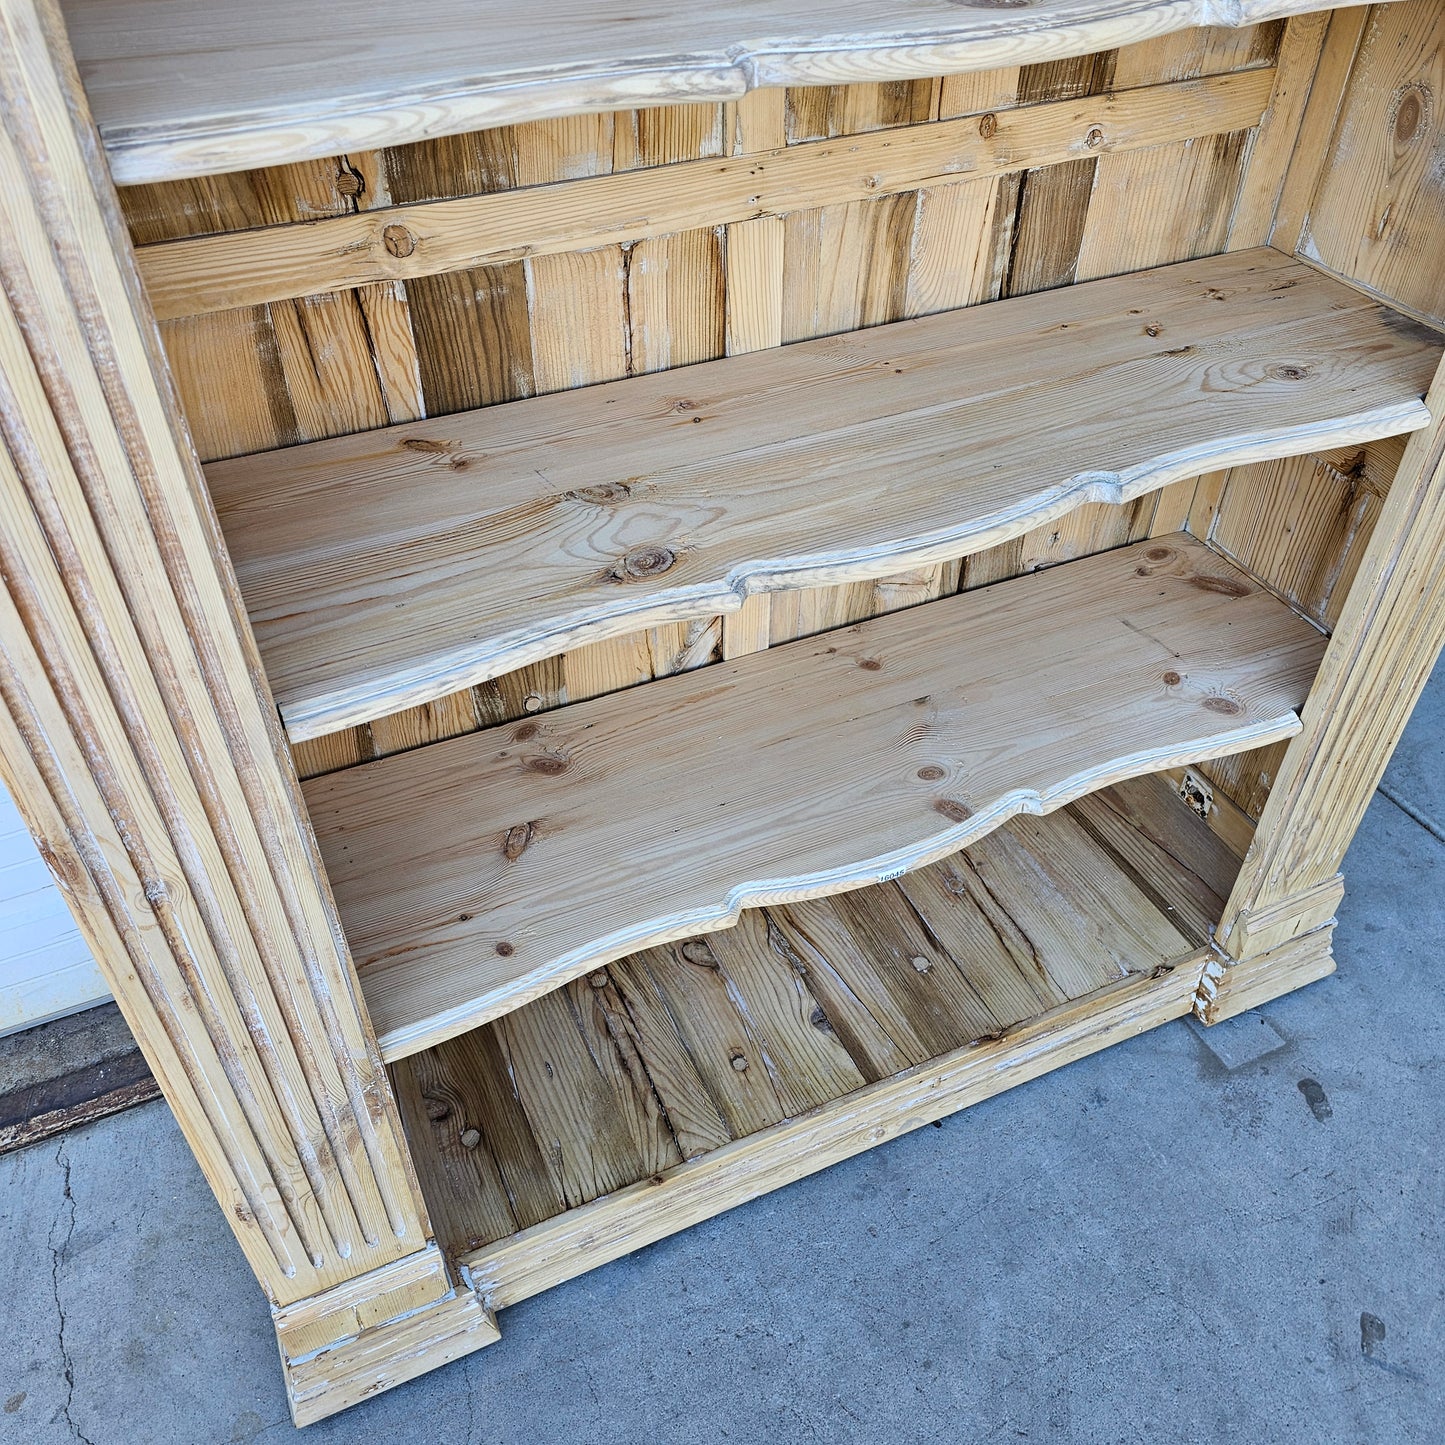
(477, 874)
(681, 1081)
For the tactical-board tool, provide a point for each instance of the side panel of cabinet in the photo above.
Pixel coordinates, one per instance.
(140, 742)
(1365, 198)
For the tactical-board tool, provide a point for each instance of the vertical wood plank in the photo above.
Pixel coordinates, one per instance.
(1317, 127)
(1276, 139)
(1378, 216)
(754, 308)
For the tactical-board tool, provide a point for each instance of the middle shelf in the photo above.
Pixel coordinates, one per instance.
(477, 874)
(389, 568)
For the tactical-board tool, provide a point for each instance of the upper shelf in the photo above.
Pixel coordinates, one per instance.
(388, 568)
(476, 874)
(193, 87)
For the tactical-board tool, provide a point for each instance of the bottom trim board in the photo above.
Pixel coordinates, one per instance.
(581, 1239)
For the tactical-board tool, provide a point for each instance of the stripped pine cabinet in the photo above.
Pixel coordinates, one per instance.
(601, 615)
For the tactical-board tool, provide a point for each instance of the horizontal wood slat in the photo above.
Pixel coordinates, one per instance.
(387, 569)
(247, 268)
(192, 87)
(480, 873)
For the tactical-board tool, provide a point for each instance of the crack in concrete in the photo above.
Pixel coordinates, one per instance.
(57, 1253)
(1413, 813)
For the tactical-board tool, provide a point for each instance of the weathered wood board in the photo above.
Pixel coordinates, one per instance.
(480, 873)
(190, 87)
(390, 568)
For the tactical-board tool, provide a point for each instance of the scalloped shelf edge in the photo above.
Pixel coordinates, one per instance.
(302, 129)
(329, 712)
(399, 1043)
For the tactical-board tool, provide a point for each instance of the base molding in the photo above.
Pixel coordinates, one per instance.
(387, 1354)
(1227, 987)
(1253, 933)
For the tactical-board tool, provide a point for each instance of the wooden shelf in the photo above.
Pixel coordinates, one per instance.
(389, 568)
(192, 87)
(684, 1080)
(477, 874)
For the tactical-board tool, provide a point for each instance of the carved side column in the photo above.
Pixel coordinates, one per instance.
(139, 738)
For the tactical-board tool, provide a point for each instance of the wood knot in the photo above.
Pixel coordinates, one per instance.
(931, 773)
(427, 447)
(643, 562)
(871, 664)
(1172, 679)
(1152, 330)
(1224, 705)
(436, 1109)
(518, 840)
(550, 765)
(1220, 586)
(505, 949)
(399, 242)
(527, 731)
(953, 810)
(695, 950)
(603, 496)
(1411, 110)
(1159, 554)
(819, 1019)
(1289, 373)
(988, 126)
(739, 1062)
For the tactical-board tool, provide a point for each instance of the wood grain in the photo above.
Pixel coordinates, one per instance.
(449, 863)
(1380, 655)
(388, 569)
(188, 87)
(513, 1269)
(1378, 214)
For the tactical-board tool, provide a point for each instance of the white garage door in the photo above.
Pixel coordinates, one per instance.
(45, 967)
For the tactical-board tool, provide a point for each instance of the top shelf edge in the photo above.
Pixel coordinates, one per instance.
(278, 82)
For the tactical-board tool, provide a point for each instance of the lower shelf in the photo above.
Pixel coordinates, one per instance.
(475, 875)
(681, 1081)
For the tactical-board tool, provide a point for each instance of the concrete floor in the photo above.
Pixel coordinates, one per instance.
(1236, 1235)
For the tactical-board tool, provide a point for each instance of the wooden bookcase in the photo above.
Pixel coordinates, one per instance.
(603, 610)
